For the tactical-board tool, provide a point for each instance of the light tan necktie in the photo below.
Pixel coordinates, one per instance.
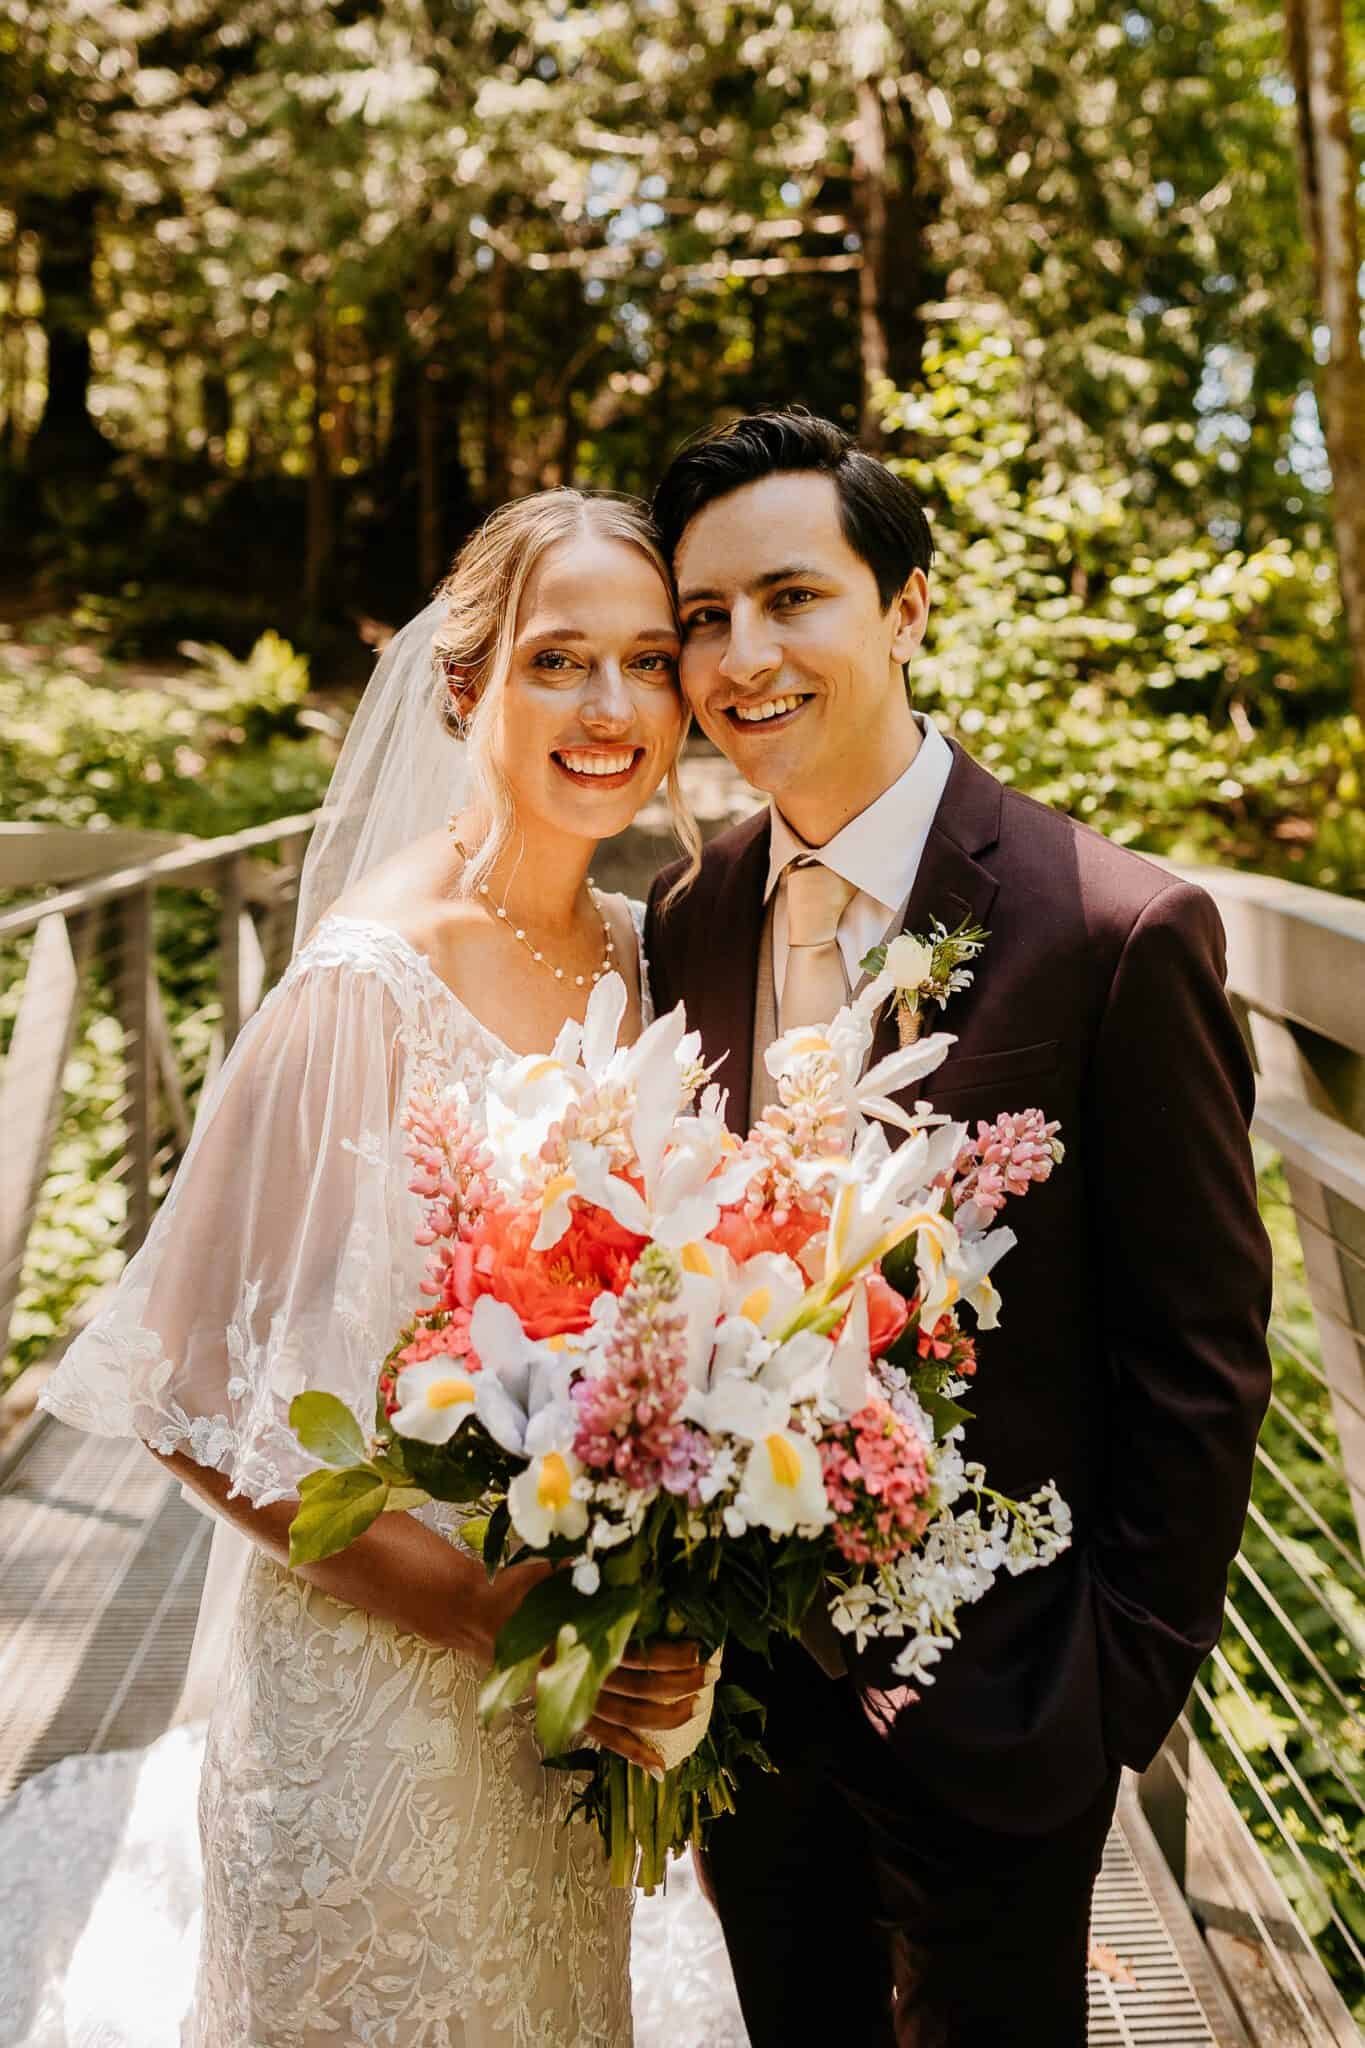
(815, 984)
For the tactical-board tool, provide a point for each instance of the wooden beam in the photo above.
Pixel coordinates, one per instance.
(31, 1086)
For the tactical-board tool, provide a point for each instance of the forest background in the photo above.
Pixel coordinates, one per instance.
(292, 294)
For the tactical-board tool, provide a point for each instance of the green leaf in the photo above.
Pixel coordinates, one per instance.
(391, 1462)
(537, 1622)
(899, 1268)
(574, 1760)
(327, 1429)
(475, 1534)
(505, 1685)
(402, 1498)
(945, 1414)
(495, 1538)
(334, 1508)
(872, 963)
(566, 1693)
(623, 1567)
(585, 1657)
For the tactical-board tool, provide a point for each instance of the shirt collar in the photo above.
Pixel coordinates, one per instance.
(879, 850)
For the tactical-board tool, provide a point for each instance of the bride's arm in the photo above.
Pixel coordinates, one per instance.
(405, 1573)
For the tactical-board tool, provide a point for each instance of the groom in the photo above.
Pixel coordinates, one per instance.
(921, 1869)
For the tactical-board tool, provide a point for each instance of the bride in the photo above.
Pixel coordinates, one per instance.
(377, 1866)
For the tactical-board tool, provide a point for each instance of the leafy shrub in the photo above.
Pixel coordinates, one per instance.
(1171, 696)
(216, 750)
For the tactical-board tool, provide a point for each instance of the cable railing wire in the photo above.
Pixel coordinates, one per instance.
(1349, 1557)
(1305, 1435)
(1319, 1737)
(1274, 1744)
(1309, 1655)
(1316, 1888)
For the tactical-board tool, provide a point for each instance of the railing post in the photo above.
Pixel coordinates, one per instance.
(1163, 1790)
(231, 902)
(133, 975)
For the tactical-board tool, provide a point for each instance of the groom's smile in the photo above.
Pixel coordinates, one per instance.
(791, 662)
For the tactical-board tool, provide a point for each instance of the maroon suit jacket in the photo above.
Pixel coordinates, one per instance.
(1130, 1364)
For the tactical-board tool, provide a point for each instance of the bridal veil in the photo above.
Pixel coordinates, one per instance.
(274, 1259)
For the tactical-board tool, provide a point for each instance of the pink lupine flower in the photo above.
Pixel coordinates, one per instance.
(629, 1415)
(1005, 1158)
(452, 1172)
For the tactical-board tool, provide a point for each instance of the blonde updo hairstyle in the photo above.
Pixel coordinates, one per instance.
(472, 647)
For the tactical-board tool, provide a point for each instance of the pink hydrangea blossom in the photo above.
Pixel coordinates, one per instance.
(876, 1477)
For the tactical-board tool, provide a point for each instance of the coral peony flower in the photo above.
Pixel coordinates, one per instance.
(746, 1231)
(887, 1314)
(552, 1291)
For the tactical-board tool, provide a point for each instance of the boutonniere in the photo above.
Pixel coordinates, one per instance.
(926, 970)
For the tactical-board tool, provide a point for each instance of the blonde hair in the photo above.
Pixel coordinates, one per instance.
(472, 647)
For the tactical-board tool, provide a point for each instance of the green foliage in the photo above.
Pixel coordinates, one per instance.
(327, 1429)
(207, 752)
(1310, 1566)
(1166, 698)
(203, 753)
(589, 1638)
(334, 1509)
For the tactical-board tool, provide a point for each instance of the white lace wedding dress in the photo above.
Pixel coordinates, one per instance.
(378, 1867)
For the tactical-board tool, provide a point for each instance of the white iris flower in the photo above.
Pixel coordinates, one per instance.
(434, 1399)
(521, 1396)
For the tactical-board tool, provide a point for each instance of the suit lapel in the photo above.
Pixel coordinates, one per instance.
(952, 883)
(721, 1004)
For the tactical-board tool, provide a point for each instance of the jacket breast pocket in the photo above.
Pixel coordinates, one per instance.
(999, 1073)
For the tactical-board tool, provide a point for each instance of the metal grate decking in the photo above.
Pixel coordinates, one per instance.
(101, 1562)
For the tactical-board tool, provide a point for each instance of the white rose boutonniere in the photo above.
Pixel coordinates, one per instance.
(926, 970)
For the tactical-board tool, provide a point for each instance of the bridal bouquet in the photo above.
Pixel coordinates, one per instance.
(712, 1381)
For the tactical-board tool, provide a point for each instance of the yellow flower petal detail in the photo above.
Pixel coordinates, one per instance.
(449, 1393)
(555, 1481)
(784, 1461)
(694, 1260)
(757, 1305)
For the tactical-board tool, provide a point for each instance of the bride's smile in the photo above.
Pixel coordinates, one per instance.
(591, 713)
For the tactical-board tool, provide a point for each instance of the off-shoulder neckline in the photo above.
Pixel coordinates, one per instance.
(438, 981)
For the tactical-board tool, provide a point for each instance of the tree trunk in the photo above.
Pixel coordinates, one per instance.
(319, 541)
(215, 401)
(1316, 38)
(66, 438)
(430, 553)
(869, 191)
(910, 277)
(497, 434)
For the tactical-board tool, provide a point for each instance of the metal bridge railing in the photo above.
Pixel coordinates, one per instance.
(1258, 1799)
(120, 989)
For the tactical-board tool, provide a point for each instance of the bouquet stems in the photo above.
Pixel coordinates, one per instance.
(643, 1821)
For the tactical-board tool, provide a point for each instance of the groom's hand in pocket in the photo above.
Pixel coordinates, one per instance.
(649, 1689)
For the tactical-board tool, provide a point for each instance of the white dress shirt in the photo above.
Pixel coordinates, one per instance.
(879, 851)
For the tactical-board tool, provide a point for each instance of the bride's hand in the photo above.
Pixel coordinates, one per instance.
(654, 1688)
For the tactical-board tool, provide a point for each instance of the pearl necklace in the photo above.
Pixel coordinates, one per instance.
(500, 911)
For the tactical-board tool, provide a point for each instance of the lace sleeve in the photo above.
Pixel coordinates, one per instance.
(276, 1263)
